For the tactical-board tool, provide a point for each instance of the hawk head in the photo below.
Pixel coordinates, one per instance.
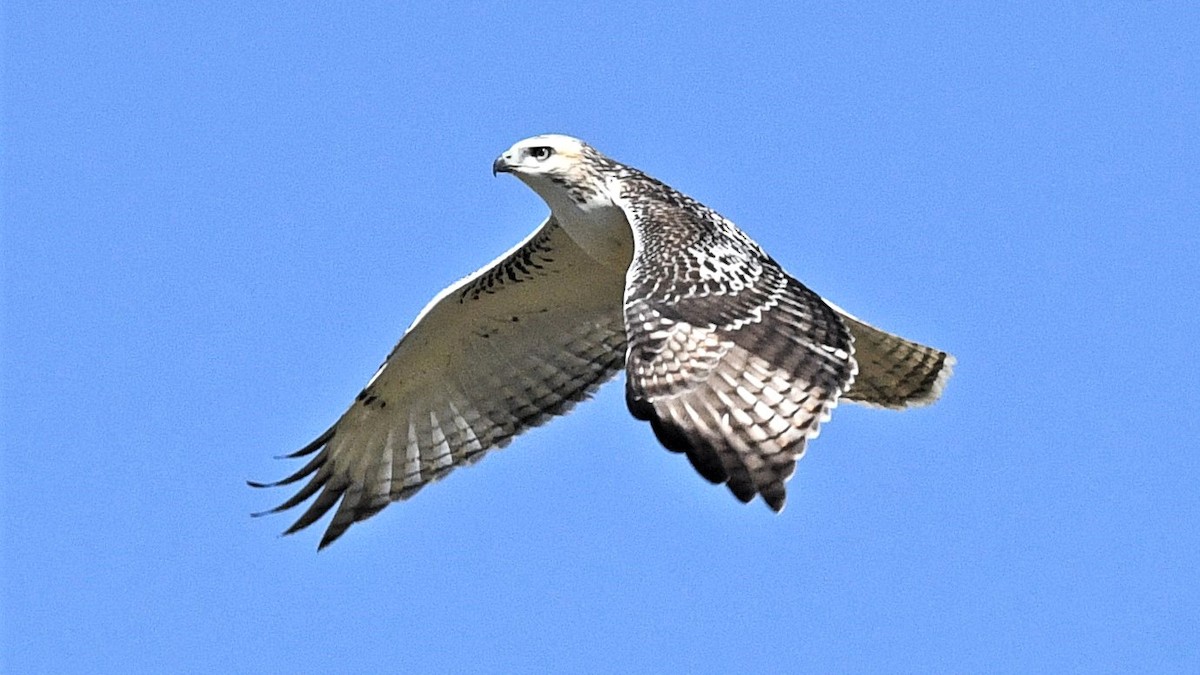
(561, 169)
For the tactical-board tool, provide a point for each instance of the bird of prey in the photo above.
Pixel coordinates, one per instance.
(732, 361)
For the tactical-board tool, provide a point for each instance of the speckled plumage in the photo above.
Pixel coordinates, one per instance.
(731, 360)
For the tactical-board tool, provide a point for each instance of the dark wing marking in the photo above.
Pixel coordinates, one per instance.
(504, 350)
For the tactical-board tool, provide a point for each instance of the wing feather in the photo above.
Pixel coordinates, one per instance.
(506, 349)
(732, 361)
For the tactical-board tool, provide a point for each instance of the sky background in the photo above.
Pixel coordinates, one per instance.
(219, 217)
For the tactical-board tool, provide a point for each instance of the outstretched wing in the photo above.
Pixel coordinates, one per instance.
(505, 349)
(731, 360)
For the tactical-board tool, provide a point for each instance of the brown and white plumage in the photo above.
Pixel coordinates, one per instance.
(731, 360)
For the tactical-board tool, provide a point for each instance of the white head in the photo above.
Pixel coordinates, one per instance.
(561, 169)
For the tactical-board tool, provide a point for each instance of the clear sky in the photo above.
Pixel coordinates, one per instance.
(219, 217)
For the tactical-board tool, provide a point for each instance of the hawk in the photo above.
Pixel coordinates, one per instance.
(732, 361)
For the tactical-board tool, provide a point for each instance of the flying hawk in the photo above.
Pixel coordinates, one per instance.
(732, 361)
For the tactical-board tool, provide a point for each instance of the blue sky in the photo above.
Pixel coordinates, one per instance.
(219, 217)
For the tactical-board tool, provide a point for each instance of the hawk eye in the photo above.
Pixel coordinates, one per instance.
(541, 152)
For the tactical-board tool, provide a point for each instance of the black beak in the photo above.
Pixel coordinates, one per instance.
(500, 166)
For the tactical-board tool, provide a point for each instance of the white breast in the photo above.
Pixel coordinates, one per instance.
(602, 232)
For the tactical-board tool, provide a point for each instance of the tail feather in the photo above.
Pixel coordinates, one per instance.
(894, 372)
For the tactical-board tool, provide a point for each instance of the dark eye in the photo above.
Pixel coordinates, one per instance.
(541, 152)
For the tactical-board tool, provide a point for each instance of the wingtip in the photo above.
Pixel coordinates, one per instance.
(775, 501)
(317, 443)
(277, 509)
(331, 535)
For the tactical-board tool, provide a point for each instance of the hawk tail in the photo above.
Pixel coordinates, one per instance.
(894, 372)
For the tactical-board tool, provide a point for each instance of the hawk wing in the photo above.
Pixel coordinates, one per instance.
(505, 349)
(732, 361)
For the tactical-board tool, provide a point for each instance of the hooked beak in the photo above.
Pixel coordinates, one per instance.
(501, 166)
